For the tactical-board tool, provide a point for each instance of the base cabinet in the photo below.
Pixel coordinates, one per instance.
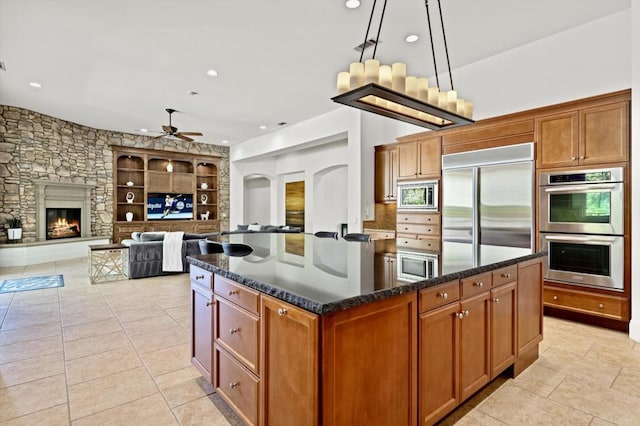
(202, 322)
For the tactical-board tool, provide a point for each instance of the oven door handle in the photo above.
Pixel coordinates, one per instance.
(574, 188)
(582, 239)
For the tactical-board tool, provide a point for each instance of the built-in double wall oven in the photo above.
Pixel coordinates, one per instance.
(581, 225)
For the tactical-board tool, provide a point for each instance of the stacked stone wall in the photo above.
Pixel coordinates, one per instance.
(35, 146)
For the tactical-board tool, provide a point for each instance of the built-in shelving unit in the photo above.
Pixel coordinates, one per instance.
(141, 173)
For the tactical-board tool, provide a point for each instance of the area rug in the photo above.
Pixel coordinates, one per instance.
(31, 283)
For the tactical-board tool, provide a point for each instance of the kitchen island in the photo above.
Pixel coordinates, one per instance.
(301, 331)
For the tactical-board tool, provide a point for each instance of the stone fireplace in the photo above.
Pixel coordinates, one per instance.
(70, 203)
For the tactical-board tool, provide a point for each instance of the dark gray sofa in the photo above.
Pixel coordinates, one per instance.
(255, 228)
(145, 252)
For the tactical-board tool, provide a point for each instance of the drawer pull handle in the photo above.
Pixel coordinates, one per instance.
(209, 304)
(465, 313)
(199, 277)
(234, 385)
(232, 292)
(573, 158)
(406, 228)
(505, 275)
(460, 315)
(478, 284)
(282, 312)
(496, 300)
(555, 297)
(234, 330)
(406, 242)
(601, 305)
(443, 295)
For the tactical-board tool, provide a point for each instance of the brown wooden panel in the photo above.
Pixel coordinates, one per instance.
(424, 218)
(430, 154)
(289, 360)
(557, 140)
(504, 315)
(475, 284)
(414, 242)
(529, 305)
(382, 367)
(612, 307)
(438, 363)
(497, 131)
(475, 344)
(488, 143)
(158, 181)
(439, 295)
(201, 276)
(504, 275)
(604, 134)
(202, 331)
(412, 228)
(407, 160)
(237, 293)
(237, 331)
(183, 183)
(381, 177)
(238, 387)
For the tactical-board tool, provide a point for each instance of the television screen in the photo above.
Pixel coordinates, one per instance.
(170, 206)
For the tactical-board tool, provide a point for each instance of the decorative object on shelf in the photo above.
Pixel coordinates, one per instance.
(130, 197)
(129, 183)
(14, 229)
(129, 216)
(204, 185)
(387, 90)
(204, 198)
(170, 167)
(204, 216)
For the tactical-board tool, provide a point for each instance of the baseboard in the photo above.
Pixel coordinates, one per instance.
(634, 329)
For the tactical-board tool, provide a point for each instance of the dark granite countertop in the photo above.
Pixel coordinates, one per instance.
(322, 275)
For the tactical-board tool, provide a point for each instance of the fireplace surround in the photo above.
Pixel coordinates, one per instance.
(59, 195)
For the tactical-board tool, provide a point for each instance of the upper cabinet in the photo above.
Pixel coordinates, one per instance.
(419, 159)
(180, 179)
(386, 174)
(587, 136)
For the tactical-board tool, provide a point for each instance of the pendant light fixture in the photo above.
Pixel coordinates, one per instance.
(387, 90)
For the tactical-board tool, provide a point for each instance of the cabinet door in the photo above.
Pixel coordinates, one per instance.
(182, 182)
(474, 344)
(430, 154)
(392, 170)
(503, 327)
(557, 140)
(529, 305)
(438, 363)
(202, 331)
(158, 181)
(289, 358)
(382, 176)
(604, 134)
(407, 160)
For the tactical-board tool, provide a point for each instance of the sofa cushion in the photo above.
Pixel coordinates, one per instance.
(243, 227)
(268, 228)
(190, 236)
(135, 236)
(255, 227)
(152, 236)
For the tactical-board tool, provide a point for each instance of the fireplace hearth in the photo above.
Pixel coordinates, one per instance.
(63, 223)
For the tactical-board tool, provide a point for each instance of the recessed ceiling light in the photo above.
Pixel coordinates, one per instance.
(411, 38)
(144, 130)
(352, 4)
(225, 141)
(212, 73)
(263, 127)
(192, 93)
(35, 84)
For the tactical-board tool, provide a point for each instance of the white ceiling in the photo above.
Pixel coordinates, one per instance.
(117, 64)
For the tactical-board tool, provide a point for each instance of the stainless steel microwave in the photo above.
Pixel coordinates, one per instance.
(422, 195)
(416, 266)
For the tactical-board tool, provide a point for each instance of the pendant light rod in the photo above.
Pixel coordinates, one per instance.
(446, 50)
(366, 36)
(433, 50)
(384, 8)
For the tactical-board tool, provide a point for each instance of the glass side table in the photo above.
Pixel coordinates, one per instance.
(108, 262)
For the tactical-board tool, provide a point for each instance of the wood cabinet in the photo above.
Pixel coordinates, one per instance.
(504, 308)
(587, 136)
(418, 231)
(202, 322)
(530, 311)
(585, 302)
(290, 364)
(385, 270)
(142, 175)
(386, 174)
(419, 158)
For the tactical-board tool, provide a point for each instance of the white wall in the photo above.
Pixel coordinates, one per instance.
(257, 200)
(330, 194)
(634, 326)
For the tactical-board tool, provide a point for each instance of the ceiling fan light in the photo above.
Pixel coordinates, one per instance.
(212, 73)
(352, 4)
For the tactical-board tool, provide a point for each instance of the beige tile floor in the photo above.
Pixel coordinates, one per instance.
(118, 353)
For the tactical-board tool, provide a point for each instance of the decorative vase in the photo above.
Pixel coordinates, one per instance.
(14, 233)
(204, 185)
(130, 197)
(129, 216)
(204, 198)
(129, 183)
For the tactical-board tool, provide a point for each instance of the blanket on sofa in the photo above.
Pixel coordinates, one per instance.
(172, 252)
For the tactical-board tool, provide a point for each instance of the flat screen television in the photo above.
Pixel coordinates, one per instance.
(169, 206)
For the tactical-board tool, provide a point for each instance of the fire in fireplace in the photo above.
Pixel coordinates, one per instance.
(63, 223)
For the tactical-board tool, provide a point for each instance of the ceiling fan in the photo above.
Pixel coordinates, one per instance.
(173, 131)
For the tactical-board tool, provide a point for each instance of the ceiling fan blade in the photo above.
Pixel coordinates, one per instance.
(161, 136)
(184, 138)
(166, 129)
(191, 133)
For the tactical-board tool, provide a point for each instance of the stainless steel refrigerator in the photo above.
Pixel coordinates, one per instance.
(487, 205)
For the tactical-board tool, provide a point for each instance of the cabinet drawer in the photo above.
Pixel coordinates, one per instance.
(237, 293)
(475, 284)
(613, 307)
(421, 218)
(505, 275)
(200, 276)
(413, 228)
(238, 332)
(237, 386)
(439, 295)
(377, 235)
(424, 243)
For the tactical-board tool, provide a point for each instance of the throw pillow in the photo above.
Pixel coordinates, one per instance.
(135, 236)
(254, 227)
(243, 227)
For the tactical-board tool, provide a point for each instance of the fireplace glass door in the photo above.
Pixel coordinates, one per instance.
(63, 223)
